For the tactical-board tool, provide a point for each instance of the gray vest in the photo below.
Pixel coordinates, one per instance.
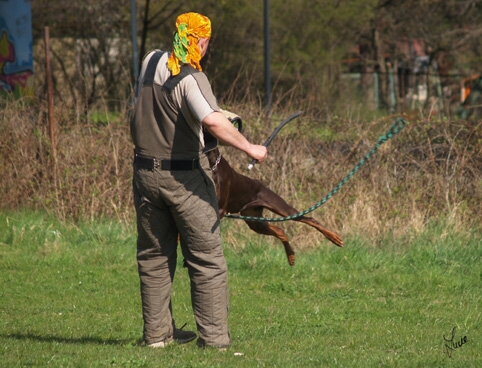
(158, 128)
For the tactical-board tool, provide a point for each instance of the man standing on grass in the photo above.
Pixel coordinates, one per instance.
(173, 188)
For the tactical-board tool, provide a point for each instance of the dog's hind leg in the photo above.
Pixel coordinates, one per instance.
(266, 228)
(273, 202)
(330, 235)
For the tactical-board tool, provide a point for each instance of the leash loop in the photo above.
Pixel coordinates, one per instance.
(395, 129)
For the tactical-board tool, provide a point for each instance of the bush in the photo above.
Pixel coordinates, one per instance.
(431, 170)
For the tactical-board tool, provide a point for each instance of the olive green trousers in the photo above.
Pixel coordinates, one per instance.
(172, 205)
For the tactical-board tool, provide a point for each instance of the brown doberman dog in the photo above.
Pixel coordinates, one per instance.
(240, 194)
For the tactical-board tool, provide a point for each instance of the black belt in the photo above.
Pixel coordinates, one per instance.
(151, 163)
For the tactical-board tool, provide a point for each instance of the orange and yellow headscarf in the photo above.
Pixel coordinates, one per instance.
(190, 28)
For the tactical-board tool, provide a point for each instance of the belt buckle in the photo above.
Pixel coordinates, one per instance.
(155, 163)
(150, 163)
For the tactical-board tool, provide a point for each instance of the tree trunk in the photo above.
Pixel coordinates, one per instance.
(380, 58)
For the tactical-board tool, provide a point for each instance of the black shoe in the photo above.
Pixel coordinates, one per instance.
(181, 337)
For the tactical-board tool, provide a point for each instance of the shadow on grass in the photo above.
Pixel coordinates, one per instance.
(71, 340)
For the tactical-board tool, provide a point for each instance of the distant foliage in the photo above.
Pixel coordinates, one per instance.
(324, 52)
(324, 59)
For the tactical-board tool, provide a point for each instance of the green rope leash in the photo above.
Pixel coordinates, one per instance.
(396, 128)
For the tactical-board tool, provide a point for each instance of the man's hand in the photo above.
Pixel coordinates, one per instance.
(258, 152)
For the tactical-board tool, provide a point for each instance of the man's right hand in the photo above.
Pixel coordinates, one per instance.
(258, 152)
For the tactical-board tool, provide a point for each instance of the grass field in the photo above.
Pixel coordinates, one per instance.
(69, 298)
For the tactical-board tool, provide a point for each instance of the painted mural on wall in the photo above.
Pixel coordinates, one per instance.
(16, 59)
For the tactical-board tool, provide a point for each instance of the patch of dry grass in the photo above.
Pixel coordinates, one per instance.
(90, 176)
(431, 170)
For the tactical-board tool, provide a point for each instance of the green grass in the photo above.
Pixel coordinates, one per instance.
(69, 298)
